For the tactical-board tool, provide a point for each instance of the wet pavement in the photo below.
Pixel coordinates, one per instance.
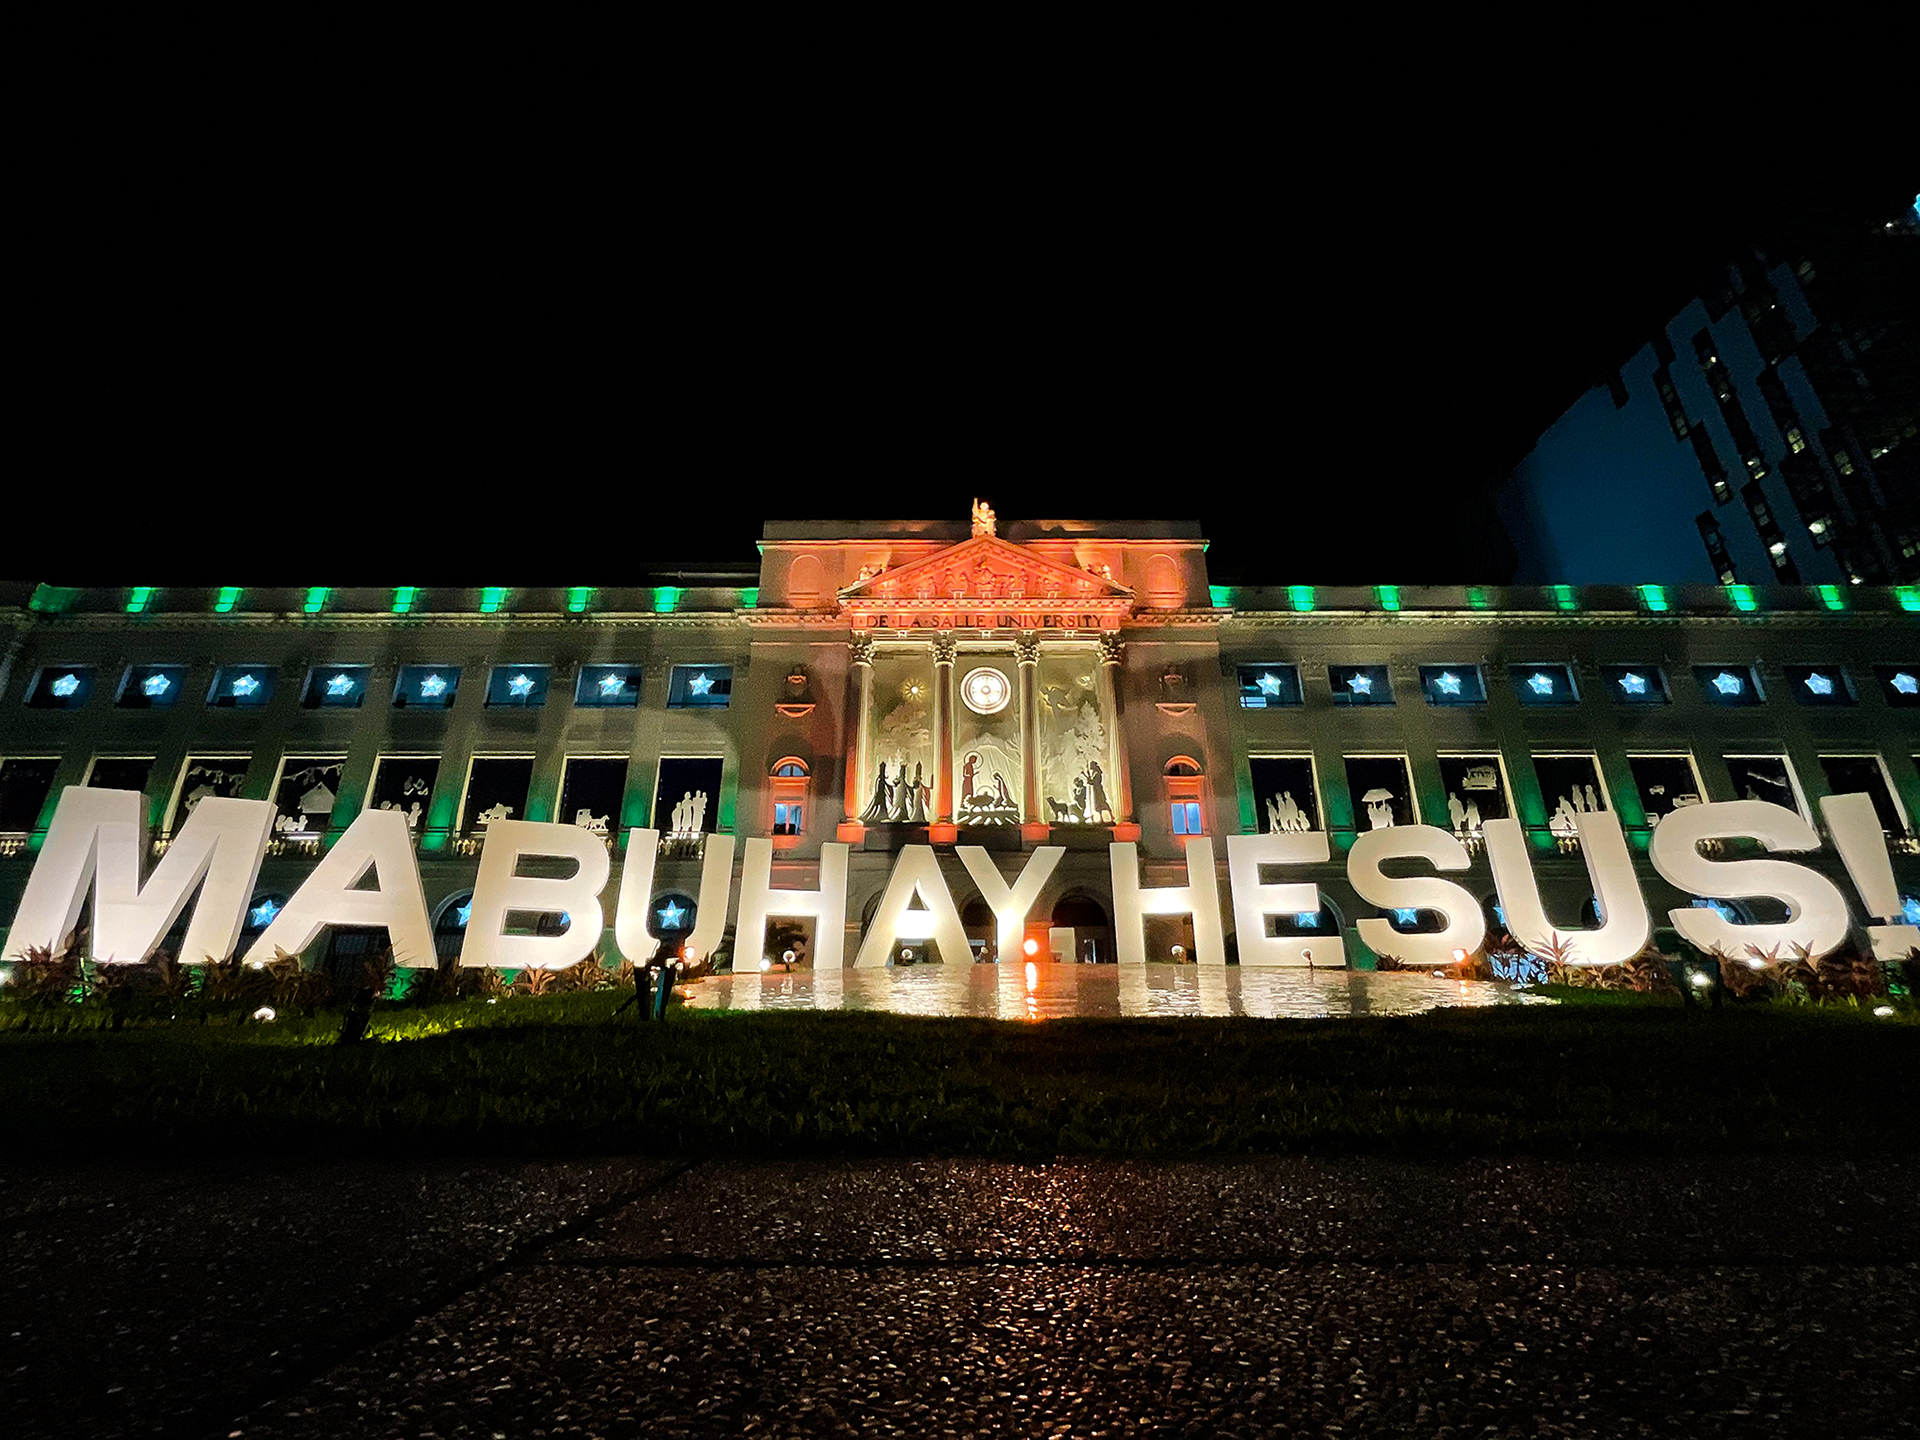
(1355, 1297)
(1047, 991)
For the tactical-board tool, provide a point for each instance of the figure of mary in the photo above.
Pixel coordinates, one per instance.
(876, 810)
(1098, 793)
(917, 797)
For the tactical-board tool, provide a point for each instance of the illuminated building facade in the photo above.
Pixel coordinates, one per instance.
(1063, 683)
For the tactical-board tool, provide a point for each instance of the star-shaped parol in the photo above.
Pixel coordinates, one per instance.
(671, 914)
(700, 684)
(1728, 683)
(612, 683)
(65, 685)
(433, 687)
(245, 685)
(520, 686)
(1819, 684)
(1360, 684)
(1633, 684)
(1906, 684)
(155, 685)
(464, 914)
(1540, 683)
(262, 914)
(1269, 684)
(341, 684)
(1447, 683)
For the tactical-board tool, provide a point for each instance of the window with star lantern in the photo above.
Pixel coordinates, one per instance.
(696, 687)
(518, 687)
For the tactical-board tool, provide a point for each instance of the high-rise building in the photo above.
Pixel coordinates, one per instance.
(1769, 433)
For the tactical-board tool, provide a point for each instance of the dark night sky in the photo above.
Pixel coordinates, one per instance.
(460, 355)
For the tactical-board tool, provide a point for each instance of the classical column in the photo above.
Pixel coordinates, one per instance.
(861, 647)
(1120, 783)
(1026, 652)
(944, 649)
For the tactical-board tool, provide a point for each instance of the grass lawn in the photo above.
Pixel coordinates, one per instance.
(560, 1076)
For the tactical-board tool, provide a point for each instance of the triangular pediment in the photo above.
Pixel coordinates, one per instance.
(986, 569)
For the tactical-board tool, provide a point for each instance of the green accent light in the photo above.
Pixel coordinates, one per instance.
(1221, 596)
(1300, 597)
(316, 599)
(1563, 597)
(1478, 598)
(665, 599)
(579, 598)
(1908, 596)
(405, 597)
(1743, 597)
(1389, 596)
(492, 599)
(53, 599)
(1831, 596)
(138, 599)
(750, 598)
(1654, 597)
(228, 599)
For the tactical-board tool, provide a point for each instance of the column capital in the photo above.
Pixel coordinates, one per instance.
(862, 647)
(1026, 649)
(945, 648)
(1112, 650)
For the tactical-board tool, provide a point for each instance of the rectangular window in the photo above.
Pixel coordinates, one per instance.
(1769, 778)
(1186, 818)
(150, 687)
(786, 817)
(304, 793)
(426, 687)
(1267, 687)
(607, 687)
(1866, 775)
(119, 772)
(693, 687)
(497, 788)
(686, 798)
(60, 687)
(1728, 684)
(1899, 684)
(1453, 684)
(1382, 790)
(592, 790)
(1666, 783)
(404, 783)
(1636, 684)
(1569, 784)
(1544, 684)
(335, 687)
(1477, 791)
(1360, 684)
(518, 686)
(1819, 684)
(244, 687)
(1286, 793)
(205, 777)
(25, 783)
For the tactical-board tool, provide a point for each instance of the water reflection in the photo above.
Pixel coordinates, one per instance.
(1039, 991)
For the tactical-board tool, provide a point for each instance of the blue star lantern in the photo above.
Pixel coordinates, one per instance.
(433, 687)
(1540, 683)
(245, 686)
(65, 685)
(1360, 684)
(1906, 684)
(1819, 684)
(464, 914)
(700, 684)
(341, 684)
(1447, 683)
(1727, 683)
(1633, 684)
(612, 683)
(520, 687)
(262, 914)
(1269, 684)
(671, 914)
(155, 685)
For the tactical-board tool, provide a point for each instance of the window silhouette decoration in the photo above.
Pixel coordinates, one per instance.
(1453, 684)
(241, 687)
(305, 794)
(1268, 687)
(607, 687)
(496, 790)
(518, 687)
(700, 687)
(1570, 785)
(1728, 684)
(335, 687)
(1285, 797)
(1360, 684)
(1476, 789)
(151, 687)
(686, 800)
(1186, 795)
(1866, 775)
(1382, 791)
(1666, 783)
(205, 777)
(1544, 684)
(1766, 777)
(405, 783)
(1636, 684)
(426, 687)
(61, 687)
(592, 790)
(119, 772)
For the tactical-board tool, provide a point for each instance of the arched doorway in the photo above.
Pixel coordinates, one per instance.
(1092, 929)
(982, 927)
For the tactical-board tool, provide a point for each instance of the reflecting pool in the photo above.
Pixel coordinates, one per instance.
(1050, 991)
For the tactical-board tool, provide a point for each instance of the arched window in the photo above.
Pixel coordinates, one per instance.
(1185, 783)
(450, 926)
(1163, 582)
(805, 581)
(788, 784)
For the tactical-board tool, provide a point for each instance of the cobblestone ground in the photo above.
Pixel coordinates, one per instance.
(1743, 1296)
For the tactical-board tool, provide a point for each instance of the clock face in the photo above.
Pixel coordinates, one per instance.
(985, 691)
